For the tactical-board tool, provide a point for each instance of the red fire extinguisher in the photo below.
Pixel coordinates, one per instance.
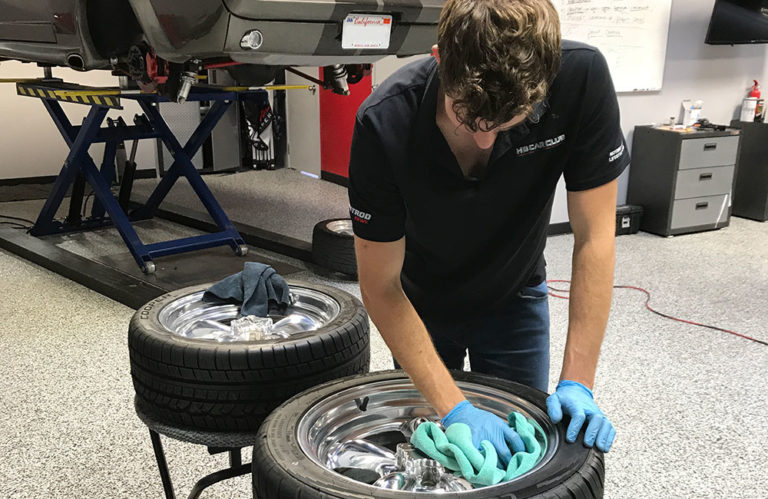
(755, 93)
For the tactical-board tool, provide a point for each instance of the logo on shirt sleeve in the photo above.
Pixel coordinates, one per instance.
(359, 216)
(616, 153)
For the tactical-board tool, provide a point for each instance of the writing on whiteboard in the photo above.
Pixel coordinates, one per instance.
(632, 34)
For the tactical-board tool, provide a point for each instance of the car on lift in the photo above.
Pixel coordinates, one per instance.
(160, 44)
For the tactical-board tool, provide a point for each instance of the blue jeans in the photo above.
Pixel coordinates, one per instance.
(512, 342)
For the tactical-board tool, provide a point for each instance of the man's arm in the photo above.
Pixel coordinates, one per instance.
(379, 266)
(593, 215)
(593, 220)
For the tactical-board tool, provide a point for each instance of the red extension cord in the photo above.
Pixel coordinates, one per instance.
(647, 301)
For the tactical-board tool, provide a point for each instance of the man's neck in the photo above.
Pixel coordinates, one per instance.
(471, 159)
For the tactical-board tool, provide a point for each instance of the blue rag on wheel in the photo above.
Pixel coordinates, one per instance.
(454, 450)
(255, 288)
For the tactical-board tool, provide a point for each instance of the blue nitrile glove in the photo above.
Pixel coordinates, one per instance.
(486, 426)
(576, 400)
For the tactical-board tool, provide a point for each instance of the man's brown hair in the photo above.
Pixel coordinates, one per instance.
(497, 57)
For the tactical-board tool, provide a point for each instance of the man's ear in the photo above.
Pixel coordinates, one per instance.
(436, 53)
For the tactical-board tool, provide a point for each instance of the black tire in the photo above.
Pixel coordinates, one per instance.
(282, 471)
(333, 249)
(214, 386)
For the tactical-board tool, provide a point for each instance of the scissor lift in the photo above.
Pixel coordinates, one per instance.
(79, 168)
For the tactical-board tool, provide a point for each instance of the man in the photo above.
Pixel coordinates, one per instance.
(453, 170)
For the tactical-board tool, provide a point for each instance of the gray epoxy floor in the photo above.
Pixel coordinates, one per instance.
(689, 403)
(283, 201)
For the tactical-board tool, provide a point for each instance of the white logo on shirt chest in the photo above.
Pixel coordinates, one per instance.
(540, 146)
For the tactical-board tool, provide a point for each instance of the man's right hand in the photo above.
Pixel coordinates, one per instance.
(486, 426)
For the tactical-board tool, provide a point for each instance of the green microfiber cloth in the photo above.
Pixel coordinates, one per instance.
(454, 450)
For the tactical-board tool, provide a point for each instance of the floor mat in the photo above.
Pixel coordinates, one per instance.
(197, 267)
(25, 192)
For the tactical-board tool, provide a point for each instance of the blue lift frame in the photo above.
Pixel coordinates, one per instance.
(79, 163)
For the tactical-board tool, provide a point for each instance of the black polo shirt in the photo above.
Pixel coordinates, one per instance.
(470, 243)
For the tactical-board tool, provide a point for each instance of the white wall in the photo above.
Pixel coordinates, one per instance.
(385, 67)
(719, 75)
(30, 144)
(302, 112)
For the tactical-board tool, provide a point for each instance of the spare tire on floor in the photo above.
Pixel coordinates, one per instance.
(188, 370)
(347, 439)
(333, 246)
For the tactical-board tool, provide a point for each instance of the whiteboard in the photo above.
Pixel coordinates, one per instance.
(632, 34)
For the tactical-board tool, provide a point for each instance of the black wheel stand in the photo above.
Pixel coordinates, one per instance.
(217, 443)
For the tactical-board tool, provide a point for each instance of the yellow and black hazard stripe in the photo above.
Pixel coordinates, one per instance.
(108, 98)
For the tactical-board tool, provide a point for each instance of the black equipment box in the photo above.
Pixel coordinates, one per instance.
(750, 194)
(628, 219)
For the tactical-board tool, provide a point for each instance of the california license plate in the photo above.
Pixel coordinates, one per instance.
(366, 31)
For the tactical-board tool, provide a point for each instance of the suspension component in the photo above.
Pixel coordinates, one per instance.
(187, 80)
(336, 79)
(356, 72)
(144, 67)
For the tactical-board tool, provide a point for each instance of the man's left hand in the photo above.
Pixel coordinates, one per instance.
(576, 400)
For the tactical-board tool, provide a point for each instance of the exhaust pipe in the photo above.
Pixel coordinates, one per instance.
(76, 62)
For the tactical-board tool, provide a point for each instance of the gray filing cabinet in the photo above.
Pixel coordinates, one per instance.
(683, 181)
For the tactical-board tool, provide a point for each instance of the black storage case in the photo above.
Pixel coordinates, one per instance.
(628, 219)
(750, 195)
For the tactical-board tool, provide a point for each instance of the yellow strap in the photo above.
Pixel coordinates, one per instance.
(87, 93)
(18, 80)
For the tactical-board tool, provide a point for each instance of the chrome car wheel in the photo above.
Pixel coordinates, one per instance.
(191, 317)
(368, 427)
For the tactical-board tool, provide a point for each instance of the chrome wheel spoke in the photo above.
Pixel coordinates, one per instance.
(293, 324)
(361, 454)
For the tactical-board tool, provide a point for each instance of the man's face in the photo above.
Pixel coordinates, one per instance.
(486, 133)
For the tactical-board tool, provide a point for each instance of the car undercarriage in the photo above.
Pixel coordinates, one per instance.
(162, 44)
